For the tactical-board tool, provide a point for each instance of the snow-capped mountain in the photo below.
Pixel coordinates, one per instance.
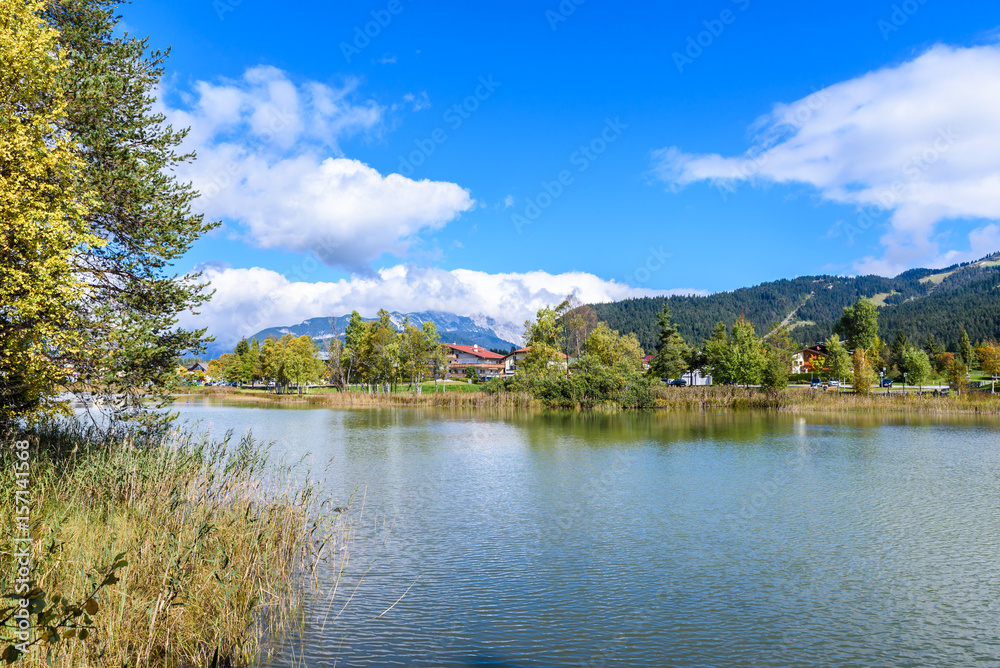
(463, 330)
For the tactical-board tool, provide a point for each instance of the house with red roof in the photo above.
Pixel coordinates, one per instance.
(807, 360)
(646, 361)
(486, 363)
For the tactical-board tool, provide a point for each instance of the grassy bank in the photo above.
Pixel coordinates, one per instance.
(667, 398)
(805, 400)
(160, 552)
(452, 398)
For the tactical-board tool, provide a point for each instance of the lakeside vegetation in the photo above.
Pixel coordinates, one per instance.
(142, 546)
(572, 360)
(178, 550)
(691, 399)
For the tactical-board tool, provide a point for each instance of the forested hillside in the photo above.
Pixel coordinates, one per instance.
(918, 302)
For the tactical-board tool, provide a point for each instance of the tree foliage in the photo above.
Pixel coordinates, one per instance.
(744, 359)
(115, 219)
(961, 296)
(864, 375)
(837, 358)
(290, 360)
(859, 323)
(45, 206)
(989, 360)
(917, 366)
(543, 337)
(778, 351)
(672, 351)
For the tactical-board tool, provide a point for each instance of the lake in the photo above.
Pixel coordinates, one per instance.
(656, 539)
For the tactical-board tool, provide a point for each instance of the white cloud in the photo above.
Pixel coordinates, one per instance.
(269, 160)
(249, 300)
(920, 140)
(418, 102)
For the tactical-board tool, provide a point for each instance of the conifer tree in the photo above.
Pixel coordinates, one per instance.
(141, 214)
(671, 350)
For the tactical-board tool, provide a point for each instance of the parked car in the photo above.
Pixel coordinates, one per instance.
(834, 383)
(886, 382)
(728, 382)
(679, 382)
(815, 382)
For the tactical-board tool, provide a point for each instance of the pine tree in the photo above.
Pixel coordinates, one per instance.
(672, 351)
(966, 351)
(141, 213)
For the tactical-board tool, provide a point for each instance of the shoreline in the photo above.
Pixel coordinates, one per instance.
(693, 399)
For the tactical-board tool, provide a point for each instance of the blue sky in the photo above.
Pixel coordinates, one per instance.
(665, 200)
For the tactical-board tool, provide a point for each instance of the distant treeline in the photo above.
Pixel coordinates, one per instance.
(967, 298)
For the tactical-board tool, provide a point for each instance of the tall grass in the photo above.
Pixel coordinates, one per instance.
(799, 400)
(667, 398)
(218, 540)
(447, 399)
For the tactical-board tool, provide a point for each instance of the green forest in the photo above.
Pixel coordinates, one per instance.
(919, 303)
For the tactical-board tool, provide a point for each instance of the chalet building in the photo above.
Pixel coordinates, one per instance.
(511, 361)
(514, 359)
(803, 361)
(196, 367)
(486, 363)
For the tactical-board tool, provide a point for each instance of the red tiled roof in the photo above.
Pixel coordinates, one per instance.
(526, 349)
(480, 352)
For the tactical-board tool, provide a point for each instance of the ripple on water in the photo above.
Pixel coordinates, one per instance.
(660, 541)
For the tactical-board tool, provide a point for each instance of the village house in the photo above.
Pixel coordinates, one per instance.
(512, 360)
(486, 363)
(646, 361)
(803, 361)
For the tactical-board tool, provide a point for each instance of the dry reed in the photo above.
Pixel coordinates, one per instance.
(218, 541)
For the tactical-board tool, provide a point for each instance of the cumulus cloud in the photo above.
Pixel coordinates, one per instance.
(249, 300)
(269, 161)
(918, 141)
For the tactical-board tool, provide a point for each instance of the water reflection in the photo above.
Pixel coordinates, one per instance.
(735, 539)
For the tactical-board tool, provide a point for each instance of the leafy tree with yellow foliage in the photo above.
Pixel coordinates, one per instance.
(44, 209)
(989, 360)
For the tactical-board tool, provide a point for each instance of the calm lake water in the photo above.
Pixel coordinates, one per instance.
(649, 540)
